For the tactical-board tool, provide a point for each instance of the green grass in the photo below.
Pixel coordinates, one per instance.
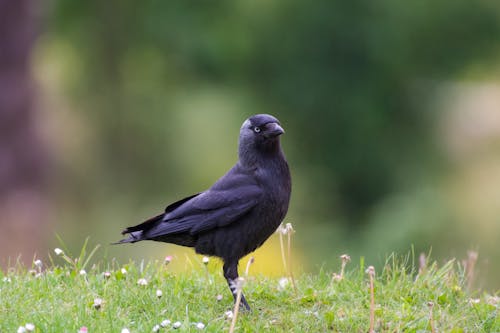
(58, 298)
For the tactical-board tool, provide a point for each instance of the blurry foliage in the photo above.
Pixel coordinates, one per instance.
(164, 85)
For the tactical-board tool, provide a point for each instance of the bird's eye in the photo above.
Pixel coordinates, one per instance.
(256, 129)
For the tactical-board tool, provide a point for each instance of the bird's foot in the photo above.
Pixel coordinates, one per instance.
(244, 307)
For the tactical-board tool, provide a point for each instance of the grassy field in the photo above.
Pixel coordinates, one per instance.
(68, 295)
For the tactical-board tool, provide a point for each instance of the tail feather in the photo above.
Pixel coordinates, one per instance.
(135, 233)
(132, 238)
(148, 224)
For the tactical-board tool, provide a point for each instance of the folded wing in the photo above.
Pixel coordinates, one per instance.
(206, 211)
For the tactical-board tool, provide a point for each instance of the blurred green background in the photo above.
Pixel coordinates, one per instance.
(112, 109)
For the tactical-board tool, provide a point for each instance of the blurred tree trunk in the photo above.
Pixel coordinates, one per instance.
(23, 213)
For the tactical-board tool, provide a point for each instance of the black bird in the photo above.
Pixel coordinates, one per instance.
(239, 212)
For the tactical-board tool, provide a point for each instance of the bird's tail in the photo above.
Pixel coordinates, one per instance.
(132, 238)
(135, 233)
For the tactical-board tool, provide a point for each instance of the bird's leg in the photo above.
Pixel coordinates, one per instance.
(231, 275)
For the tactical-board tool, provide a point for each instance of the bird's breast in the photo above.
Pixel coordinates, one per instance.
(276, 185)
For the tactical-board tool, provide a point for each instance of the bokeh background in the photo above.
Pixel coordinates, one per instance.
(109, 110)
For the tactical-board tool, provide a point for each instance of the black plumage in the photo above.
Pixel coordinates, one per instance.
(239, 212)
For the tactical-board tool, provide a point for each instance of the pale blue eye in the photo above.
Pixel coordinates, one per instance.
(256, 129)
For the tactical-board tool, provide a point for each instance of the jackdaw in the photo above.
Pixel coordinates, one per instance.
(239, 212)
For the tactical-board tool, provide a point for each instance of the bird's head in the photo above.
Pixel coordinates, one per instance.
(260, 134)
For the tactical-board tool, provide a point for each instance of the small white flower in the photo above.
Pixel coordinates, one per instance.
(38, 263)
(219, 298)
(312, 313)
(165, 323)
(6, 279)
(156, 328)
(492, 300)
(205, 260)
(106, 275)
(142, 282)
(97, 303)
(200, 326)
(281, 229)
(83, 272)
(473, 301)
(125, 330)
(58, 251)
(21, 329)
(159, 293)
(30, 327)
(283, 283)
(229, 314)
(124, 271)
(177, 324)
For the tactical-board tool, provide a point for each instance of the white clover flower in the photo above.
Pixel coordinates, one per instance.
(38, 263)
(229, 314)
(473, 301)
(58, 251)
(165, 323)
(283, 283)
(21, 329)
(124, 271)
(106, 275)
(177, 324)
(29, 327)
(168, 259)
(219, 298)
(142, 282)
(200, 326)
(156, 328)
(125, 330)
(83, 272)
(159, 293)
(205, 260)
(97, 303)
(6, 279)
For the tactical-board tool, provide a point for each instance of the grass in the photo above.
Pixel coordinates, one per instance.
(68, 294)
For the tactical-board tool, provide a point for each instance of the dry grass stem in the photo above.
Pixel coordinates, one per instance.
(345, 259)
(339, 277)
(237, 304)
(470, 266)
(431, 317)
(422, 263)
(239, 287)
(371, 273)
(249, 263)
(290, 231)
(281, 230)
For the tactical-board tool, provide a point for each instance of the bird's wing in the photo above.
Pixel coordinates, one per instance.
(150, 223)
(208, 210)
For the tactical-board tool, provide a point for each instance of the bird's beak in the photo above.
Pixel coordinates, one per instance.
(273, 130)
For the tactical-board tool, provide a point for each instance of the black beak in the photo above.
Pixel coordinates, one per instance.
(273, 130)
